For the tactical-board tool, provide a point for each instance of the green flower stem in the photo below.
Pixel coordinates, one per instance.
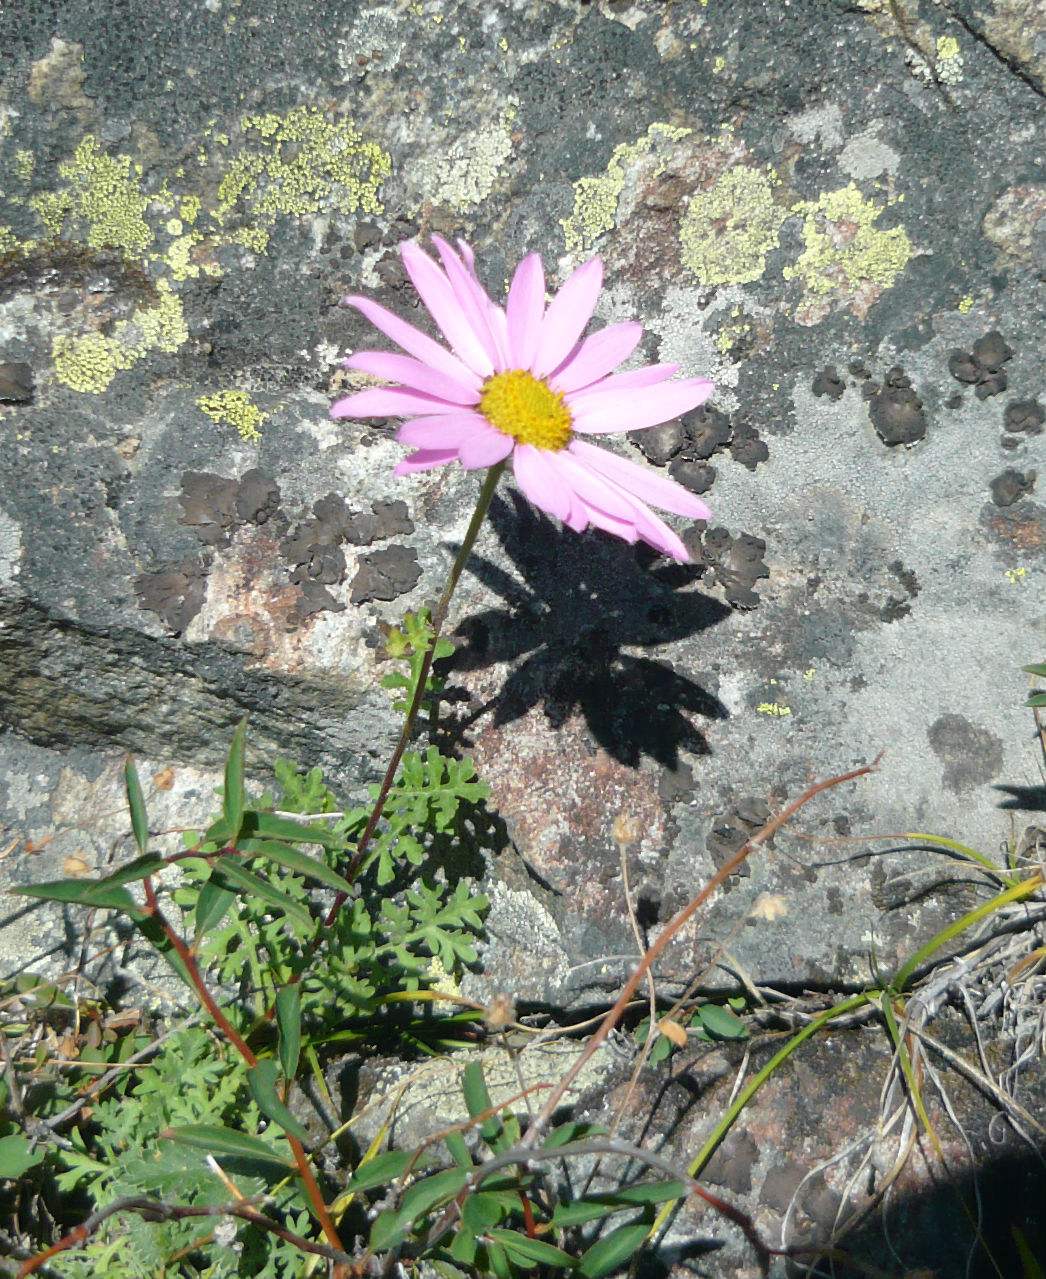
(439, 617)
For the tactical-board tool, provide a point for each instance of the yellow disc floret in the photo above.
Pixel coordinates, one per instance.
(525, 407)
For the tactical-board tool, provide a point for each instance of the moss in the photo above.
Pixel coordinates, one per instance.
(727, 232)
(234, 408)
(300, 163)
(595, 198)
(844, 247)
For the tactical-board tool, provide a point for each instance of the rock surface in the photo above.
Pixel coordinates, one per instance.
(833, 210)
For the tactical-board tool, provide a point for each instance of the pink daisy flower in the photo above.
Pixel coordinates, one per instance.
(520, 383)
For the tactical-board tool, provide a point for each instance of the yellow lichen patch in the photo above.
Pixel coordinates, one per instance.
(101, 192)
(965, 304)
(236, 409)
(88, 363)
(8, 239)
(949, 60)
(773, 709)
(189, 209)
(846, 253)
(727, 231)
(301, 163)
(23, 165)
(596, 198)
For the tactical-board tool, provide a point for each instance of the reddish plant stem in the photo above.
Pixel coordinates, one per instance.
(542, 1118)
(243, 1048)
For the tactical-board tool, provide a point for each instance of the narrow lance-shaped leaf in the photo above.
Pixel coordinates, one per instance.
(612, 1251)
(136, 803)
(262, 1081)
(233, 800)
(288, 1022)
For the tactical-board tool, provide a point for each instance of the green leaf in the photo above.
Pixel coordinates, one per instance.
(219, 1140)
(477, 1100)
(500, 1266)
(479, 1212)
(262, 1079)
(288, 1021)
(136, 803)
(572, 1132)
(593, 1207)
(234, 871)
(1037, 699)
(211, 905)
(458, 1150)
(721, 1023)
(611, 1251)
(463, 1246)
(294, 859)
(135, 870)
(425, 1195)
(1035, 670)
(233, 798)
(387, 1231)
(83, 892)
(380, 1170)
(17, 1156)
(531, 1251)
(269, 826)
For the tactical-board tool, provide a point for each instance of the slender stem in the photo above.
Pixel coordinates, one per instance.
(439, 618)
(234, 1037)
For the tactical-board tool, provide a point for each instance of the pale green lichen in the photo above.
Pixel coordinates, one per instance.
(596, 198)
(464, 174)
(727, 232)
(301, 163)
(965, 304)
(844, 247)
(8, 239)
(102, 193)
(236, 409)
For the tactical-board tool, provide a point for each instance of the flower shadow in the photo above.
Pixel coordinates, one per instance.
(578, 603)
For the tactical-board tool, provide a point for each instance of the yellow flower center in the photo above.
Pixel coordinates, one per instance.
(523, 406)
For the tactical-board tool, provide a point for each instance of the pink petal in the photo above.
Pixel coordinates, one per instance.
(611, 506)
(596, 356)
(435, 291)
(419, 344)
(542, 481)
(633, 380)
(525, 309)
(424, 460)
(639, 481)
(485, 448)
(487, 320)
(443, 432)
(391, 401)
(419, 376)
(631, 410)
(568, 313)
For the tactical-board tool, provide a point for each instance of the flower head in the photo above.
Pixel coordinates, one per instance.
(520, 382)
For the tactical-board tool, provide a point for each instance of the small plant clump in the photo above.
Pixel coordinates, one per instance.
(207, 1145)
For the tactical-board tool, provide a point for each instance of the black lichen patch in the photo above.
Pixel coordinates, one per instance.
(16, 382)
(1025, 415)
(982, 368)
(1011, 486)
(209, 505)
(386, 574)
(971, 755)
(175, 593)
(829, 383)
(731, 830)
(897, 607)
(896, 411)
(734, 563)
(686, 444)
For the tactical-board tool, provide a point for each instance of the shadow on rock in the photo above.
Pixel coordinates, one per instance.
(576, 606)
